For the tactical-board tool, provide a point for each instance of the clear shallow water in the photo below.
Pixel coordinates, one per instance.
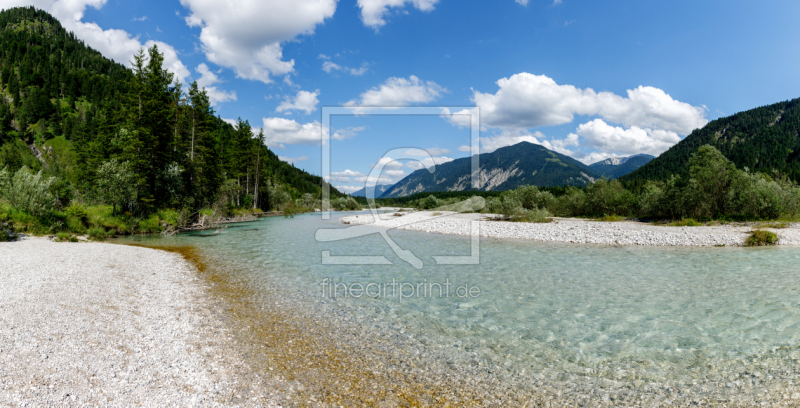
(545, 311)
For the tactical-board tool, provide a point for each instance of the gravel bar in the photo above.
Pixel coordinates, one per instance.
(94, 324)
(571, 230)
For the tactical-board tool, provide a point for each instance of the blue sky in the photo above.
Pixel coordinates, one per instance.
(590, 79)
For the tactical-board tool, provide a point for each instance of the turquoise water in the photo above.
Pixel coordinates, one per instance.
(544, 310)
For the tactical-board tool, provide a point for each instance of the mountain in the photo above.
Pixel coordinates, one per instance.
(68, 110)
(616, 167)
(379, 190)
(762, 139)
(504, 169)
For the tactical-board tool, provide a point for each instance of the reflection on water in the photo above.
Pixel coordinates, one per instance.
(545, 311)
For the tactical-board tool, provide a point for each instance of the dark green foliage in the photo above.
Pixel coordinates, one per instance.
(764, 140)
(761, 238)
(523, 163)
(91, 110)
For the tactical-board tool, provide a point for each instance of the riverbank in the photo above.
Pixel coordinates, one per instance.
(112, 325)
(573, 230)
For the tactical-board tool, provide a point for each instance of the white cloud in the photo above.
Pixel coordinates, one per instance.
(425, 163)
(400, 92)
(206, 80)
(329, 67)
(246, 36)
(434, 151)
(347, 173)
(373, 11)
(462, 118)
(293, 160)
(142, 18)
(281, 131)
(464, 149)
(373, 180)
(348, 189)
(118, 45)
(304, 101)
(606, 138)
(525, 100)
(395, 173)
(554, 1)
(323, 56)
(389, 163)
(523, 2)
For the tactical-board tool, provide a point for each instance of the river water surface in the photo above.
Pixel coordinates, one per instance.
(532, 322)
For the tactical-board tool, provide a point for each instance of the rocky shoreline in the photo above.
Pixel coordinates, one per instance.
(96, 324)
(571, 230)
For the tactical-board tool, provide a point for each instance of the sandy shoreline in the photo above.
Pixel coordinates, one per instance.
(111, 325)
(572, 230)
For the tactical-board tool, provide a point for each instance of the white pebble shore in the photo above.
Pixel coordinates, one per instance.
(571, 230)
(95, 324)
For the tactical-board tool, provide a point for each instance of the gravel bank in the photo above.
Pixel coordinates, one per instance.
(572, 230)
(93, 324)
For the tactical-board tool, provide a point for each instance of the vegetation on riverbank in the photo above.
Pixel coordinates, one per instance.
(88, 146)
(713, 189)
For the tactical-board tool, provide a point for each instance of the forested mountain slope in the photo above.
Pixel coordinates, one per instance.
(762, 139)
(504, 169)
(69, 110)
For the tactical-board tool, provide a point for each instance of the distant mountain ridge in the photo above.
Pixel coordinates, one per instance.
(504, 169)
(379, 190)
(615, 167)
(763, 139)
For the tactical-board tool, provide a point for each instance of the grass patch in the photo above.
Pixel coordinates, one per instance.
(66, 237)
(436, 214)
(774, 225)
(611, 218)
(686, 222)
(761, 238)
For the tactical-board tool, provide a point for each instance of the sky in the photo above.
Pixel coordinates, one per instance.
(588, 79)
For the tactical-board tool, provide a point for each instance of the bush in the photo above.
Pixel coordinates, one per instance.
(428, 202)
(98, 234)
(686, 222)
(116, 183)
(710, 177)
(78, 211)
(66, 237)
(7, 235)
(761, 238)
(572, 203)
(27, 191)
(609, 197)
(650, 200)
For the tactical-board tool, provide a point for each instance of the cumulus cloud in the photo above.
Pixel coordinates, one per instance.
(118, 45)
(373, 180)
(247, 36)
(293, 160)
(526, 101)
(389, 163)
(606, 138)
(462, 118)
(425, 163)
(279, 132)
(400, 92)
(344, 176)
(523, 2)
(464, 149)
(395, 173)
(207, 80)
(348, 189)
(373, 11)
(329, 67)
(304, 101)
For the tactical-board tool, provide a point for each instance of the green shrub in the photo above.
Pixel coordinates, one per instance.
(761, 238)
(150, 225)
(686, 222)
(66, 237)
(429, 202)
(609, 197)
(27, 191)
(7, 235)
(611, 218)
(98, 234)
(572, 202)
(78, 211)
